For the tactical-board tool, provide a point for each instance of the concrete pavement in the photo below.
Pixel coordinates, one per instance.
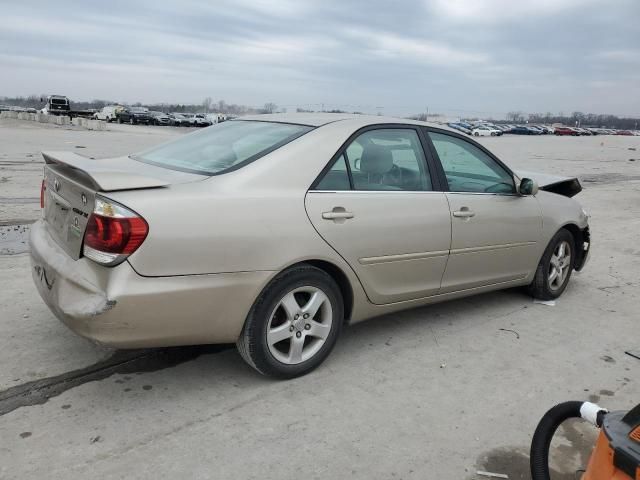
(432, 393)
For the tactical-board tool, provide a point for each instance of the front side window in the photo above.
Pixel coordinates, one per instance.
(469, 169)
(222, 147)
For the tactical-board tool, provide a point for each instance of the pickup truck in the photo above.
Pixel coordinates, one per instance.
(134, 115)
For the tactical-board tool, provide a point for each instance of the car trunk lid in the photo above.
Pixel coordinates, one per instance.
(71, 183)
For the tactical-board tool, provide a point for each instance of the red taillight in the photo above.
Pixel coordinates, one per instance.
(43, 187)
(113, 232)
(115, 235)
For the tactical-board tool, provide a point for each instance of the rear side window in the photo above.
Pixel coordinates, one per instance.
(381, 159)
(337, 178)
(223, 147)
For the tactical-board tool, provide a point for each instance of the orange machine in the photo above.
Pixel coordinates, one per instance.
(617, 452)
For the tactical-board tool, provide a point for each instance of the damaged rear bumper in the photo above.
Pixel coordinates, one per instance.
(117, 307)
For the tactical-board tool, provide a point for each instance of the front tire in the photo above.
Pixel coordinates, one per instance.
(555, 267)
(294, 324)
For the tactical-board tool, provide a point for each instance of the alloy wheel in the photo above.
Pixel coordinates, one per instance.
(559, 265)
(299, 325)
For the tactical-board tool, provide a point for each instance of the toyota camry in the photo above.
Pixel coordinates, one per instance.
(275, 231)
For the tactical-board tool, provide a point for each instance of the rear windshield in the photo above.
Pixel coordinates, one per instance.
(58, 101)
(223, 147)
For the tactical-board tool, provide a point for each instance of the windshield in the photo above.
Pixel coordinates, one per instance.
(58, 101)
(223, 147)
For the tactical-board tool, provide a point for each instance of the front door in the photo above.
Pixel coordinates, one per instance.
(494, 230)
(377, 208)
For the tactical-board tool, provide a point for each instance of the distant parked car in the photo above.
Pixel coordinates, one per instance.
(483, 131)
(134, 115)
(460, 128)
(108, 113)
(624, 132)
(216, 117)
(160, 118)
(201, 120)
(566, 131)
(522, 130)
(179, 120)
(196, 119)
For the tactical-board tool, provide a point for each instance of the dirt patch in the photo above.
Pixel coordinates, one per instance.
(607, 178)
(125, 361)
(569, 455)
(14, 239)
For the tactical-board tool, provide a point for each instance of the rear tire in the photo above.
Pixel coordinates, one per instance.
(555, 267)
(294, 324)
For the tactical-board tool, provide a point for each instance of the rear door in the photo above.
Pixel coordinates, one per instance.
(494, 231)
(379, 207)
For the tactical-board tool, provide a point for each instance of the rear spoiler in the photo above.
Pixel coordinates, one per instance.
(101, 175)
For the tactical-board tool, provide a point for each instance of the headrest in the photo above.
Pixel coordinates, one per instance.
(376, 159)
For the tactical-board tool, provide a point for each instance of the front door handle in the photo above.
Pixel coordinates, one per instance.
(338, 215)
(464, 212)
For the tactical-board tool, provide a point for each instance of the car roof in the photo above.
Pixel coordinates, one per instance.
(350, 119)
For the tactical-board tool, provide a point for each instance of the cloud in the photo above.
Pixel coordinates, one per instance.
(498, 11)
(394, 46)
(454, 55)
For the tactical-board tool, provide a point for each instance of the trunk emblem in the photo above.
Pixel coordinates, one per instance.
(56, 185)
(84, 199)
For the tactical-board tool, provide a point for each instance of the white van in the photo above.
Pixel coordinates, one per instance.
(108, 113)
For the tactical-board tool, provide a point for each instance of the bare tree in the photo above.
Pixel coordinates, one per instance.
(269, 107)
(206, 104)
(516, 117)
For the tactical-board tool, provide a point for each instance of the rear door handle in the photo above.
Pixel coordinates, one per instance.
(464, 212)
(336, 215)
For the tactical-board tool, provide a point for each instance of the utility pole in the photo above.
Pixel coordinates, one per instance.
(427, 119)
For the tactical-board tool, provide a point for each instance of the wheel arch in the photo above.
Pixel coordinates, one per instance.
(580, 236)
(338, 276)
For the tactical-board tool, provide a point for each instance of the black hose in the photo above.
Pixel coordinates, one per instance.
(539, 457)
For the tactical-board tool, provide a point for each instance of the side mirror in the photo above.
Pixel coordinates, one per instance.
(528, 187)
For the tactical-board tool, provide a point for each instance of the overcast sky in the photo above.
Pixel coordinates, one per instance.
(467, 56)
